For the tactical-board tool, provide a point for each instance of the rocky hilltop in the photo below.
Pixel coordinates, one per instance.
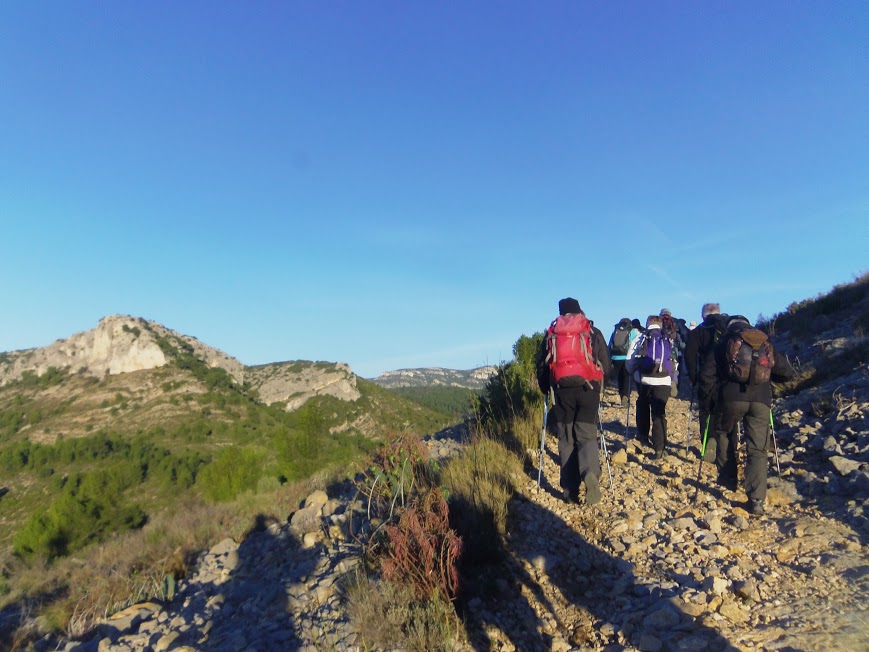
(435, 376)
(119, 344)
(293, 383)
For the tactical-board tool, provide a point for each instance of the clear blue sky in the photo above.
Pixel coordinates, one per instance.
(403, 184)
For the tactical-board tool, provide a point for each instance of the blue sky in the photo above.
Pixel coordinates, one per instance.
(404, 184)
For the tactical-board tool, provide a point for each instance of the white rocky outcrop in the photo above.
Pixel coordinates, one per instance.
(294, 383)
(119, 344)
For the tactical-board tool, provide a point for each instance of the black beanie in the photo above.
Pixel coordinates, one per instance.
(636, 324)
(568, 306)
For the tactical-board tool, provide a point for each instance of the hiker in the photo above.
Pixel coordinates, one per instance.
(744, 364)
(575, 355)
(671, 329)
(620, 342)
(701, 345)
(651, 360)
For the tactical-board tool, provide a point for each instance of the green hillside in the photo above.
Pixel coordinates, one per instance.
(82, 458)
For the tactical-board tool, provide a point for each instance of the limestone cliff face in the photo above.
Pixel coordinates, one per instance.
(295, 382)
(119, 344)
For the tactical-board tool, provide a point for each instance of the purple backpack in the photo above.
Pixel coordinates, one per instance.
(656, 355)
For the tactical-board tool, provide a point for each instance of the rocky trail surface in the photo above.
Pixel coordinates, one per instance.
(648, 568)
(651, 568)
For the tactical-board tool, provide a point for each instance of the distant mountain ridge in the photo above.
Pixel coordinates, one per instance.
(436, 377)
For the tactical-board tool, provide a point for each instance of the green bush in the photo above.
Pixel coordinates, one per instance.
(89, 507)
(52, 376)
(512, 392)
(233, 471)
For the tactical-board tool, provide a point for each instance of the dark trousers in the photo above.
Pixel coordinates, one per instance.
(708, 422)
(620, 373)
(575, 414)
(755, 419)
(652, 413)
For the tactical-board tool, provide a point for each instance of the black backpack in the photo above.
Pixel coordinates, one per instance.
(620, 341)
(715, 333)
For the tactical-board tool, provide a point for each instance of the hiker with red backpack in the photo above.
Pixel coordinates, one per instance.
(652, 361)
(743, 366)
(573, 364)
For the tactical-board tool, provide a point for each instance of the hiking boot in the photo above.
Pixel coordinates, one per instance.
(757, 507)
(625, 402)
(569, 496)
(592, 490)
(709, 455)
(728, 482)
(659, 455)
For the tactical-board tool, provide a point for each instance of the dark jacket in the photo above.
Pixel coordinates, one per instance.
(714, 373)
(600, 353)
(700, 344)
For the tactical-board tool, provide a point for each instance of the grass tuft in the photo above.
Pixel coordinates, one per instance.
(389, 616)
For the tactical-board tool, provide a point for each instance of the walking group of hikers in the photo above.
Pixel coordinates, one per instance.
(730, 366)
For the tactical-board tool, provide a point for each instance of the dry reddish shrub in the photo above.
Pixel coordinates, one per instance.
(422, 550)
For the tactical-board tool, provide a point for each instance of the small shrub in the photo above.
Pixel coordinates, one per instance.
(421, 550)
(235, 470)
(135, 330)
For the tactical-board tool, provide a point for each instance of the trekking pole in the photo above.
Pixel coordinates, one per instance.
(542, 438)
(700, 466)
(628, 415)
(603, 448)
(688, 427)
(774, 443)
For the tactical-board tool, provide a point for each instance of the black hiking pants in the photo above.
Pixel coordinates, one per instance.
(755, 419)
(709, 416)
(575, 415)
(652, 414)
(620, 372)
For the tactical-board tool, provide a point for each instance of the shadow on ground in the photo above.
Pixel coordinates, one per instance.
(598, 601)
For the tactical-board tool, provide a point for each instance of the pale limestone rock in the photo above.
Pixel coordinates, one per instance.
(317, 499)
(119, 344)
(293, 383)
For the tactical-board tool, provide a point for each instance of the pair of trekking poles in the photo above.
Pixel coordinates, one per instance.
(704, 440)
(602, 441)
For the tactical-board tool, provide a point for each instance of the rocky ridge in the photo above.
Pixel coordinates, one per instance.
(435, 377)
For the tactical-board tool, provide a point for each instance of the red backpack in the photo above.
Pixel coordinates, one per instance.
(569, 349)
